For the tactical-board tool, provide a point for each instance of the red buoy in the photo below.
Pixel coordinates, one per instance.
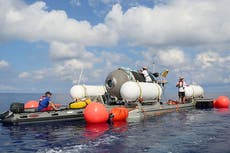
(119, 113)
(96, 113)
(222, 102)
(31, 104)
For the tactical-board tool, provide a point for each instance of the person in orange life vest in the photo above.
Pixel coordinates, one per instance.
(146, 74)
(181, 89)
(45, 101)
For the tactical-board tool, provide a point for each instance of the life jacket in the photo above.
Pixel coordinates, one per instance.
(41, 98)
(181, 86)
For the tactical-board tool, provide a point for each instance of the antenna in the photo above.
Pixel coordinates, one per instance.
(154, 67)
(79, 80)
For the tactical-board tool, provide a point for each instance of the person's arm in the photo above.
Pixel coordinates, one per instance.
(185, 84)
(177, 85)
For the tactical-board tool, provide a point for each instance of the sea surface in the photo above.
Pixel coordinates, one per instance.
(189, 131)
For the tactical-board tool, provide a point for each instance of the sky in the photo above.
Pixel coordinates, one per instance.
(45, 45)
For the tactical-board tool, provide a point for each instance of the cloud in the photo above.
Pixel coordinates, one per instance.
(172, 57)
(166, 57)
(34, 22)
(75, 3)
(34, 75)
(211, 59)
(213, 66)
(24, 75)
(113, 58)
(177, 22)
(4, 88)
(179, 34)
(204, 68)
(3, 64)
(60, 50)
(207, 59)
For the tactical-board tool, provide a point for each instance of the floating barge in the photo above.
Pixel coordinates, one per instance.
(136, 112)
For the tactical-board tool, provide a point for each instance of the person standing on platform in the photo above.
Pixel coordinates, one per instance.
(181, 89)
(146, 74)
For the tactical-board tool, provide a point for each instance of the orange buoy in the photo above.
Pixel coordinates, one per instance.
(31, 104)
(96, 113)
(222, 102)
(119, 113)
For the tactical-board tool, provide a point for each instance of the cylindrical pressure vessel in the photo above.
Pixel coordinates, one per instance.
(82, 91)
(117, 78)
(131, 91)
(194, 91)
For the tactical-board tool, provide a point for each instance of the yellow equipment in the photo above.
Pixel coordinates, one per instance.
(79, 104)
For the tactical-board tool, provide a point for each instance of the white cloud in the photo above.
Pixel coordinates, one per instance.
(34, 75)
(207, 59)
(210, 67)
(211, 59)
(172, 57)
(75, 2)
(59, 50)
(164, 30)
(168, 57)
(112, 58)
(5, 88)
(24, 75)
(34, 22)
(178, 22)
(70, 59)
(227, 79)
(3, 64)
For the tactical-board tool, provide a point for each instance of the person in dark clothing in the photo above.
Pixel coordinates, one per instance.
(45, 101)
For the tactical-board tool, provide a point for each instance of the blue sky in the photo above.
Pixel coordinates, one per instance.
(45, 44)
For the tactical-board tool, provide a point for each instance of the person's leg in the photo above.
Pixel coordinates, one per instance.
(184, 99)
(180, 97)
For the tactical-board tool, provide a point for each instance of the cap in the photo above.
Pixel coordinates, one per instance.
(48, 93)
(181, 77)
(145, 68)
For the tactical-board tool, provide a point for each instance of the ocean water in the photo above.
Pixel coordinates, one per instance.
(189, 131)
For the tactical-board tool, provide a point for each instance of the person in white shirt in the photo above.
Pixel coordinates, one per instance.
(181, 89)
(146, 74)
